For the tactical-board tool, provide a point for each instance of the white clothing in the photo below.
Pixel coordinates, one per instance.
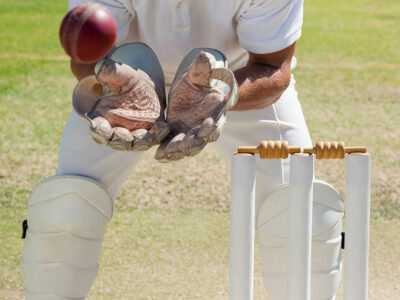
(172, 28)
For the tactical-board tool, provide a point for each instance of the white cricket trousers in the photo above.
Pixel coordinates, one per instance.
(284, 120)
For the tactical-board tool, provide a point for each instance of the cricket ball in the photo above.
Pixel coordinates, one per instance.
(88, 33)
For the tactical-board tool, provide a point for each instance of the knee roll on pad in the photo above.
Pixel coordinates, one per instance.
(67, 219)
(272, 227)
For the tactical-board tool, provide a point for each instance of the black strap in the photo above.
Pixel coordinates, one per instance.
(343, 239)
(24, 228)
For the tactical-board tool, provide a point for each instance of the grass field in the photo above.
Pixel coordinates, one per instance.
(171, 242)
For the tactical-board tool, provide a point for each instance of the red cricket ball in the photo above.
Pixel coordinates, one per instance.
(88, 32)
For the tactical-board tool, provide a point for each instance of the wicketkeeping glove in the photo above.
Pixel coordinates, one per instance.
(201, 93)
(130, 116)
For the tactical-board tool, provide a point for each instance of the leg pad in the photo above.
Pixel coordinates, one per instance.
(67, 219)
(326, 256)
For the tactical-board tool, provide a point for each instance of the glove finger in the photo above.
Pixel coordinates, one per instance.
(192, 145)
(139, 133)
(100, 129)
(142, 140)
(163, 156)
(213, 136)
(140, 145)
(174, 144)
(170, 150)
(122, 139)
(159, 132)
(217, 130)
(188, 141)
(196, 149)
(160, 153)
(210, 130)
(206, 128)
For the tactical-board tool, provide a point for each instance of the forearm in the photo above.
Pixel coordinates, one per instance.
(260, 85)
(264, 79)
(81, 70)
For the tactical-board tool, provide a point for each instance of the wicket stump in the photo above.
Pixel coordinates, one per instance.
(357, 207)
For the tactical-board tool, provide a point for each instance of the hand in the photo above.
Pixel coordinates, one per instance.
(198, 100)
(131, 114)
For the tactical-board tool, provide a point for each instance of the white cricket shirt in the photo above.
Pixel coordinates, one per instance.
(174, 27)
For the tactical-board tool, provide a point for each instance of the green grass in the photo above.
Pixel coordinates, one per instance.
(170, 232)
